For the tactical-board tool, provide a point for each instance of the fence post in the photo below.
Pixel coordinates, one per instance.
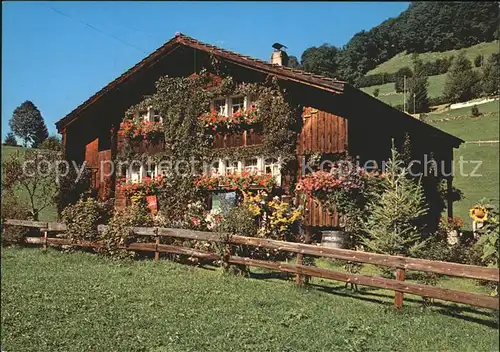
(299, 278)
(157, 242)
(44, 244)
(398, 295)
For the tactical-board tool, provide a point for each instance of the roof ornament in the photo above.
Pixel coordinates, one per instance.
(177, 34)
(278, 46)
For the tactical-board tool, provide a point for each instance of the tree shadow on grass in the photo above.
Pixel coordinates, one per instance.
(370, 294)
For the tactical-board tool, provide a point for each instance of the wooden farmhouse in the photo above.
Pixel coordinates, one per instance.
(336, 117)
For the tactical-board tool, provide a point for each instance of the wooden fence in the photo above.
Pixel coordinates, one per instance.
(401, 264)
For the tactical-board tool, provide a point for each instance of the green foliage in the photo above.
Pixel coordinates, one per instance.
(35, 172)
(320, 60)
(10, 139)
(478, 60)
(475, 111)
(400, 77)
(491, 75)
(488, 242)
(182, 100)
(27, 123)
(293, 62)
(393, 224)
(52, 143)
(73, 186)
(423, 27)
(118, 234)
(376, 92)
(461, 82)
(82, 218)
(13, 208)
(418, 100)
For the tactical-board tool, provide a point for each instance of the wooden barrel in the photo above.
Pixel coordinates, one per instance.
(334, 239)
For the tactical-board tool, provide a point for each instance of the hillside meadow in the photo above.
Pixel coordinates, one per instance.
(404, 59)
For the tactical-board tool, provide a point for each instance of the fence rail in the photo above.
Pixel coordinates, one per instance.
(399, 285)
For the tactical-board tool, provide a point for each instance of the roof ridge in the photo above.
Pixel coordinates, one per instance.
(286, 68)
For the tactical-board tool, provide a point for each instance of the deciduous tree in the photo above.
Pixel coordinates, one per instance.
(27, 123)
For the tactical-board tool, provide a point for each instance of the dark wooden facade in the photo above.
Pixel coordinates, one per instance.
(336, 118)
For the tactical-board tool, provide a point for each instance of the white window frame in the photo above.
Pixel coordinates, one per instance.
(254, 168)
(276, 174)
(130, 174)
(232, 169)
(228, 107)
(149, 115)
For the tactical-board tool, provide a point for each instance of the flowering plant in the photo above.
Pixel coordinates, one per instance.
(341, 187)
(139, 129)
(450, 224)
(213, 218)
(149, 186)
(239, 119)
(235, 181)
(274, 216)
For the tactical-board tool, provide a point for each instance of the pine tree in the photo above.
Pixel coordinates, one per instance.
(461, 81)
(10, 139)
(418, 100)
(27, 123)
(491, 75)
(393, 226)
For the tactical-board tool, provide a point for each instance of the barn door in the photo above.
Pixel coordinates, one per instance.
(92, 160)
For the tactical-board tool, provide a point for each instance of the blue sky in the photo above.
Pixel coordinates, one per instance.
(57, 54)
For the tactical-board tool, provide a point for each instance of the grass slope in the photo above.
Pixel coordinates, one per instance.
(403, 59)
(389, 96)
(484, 127)
(52, 301)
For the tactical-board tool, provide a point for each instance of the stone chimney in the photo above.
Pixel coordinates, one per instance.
(279, 56)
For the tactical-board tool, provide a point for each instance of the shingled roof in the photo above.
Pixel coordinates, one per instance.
(283, 72)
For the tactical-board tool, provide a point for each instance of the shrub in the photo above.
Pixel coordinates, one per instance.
(478, 60)
(118, 234)
(83, 217)
(475, 111)
(12, 208)
(51, 143)
(376, 92)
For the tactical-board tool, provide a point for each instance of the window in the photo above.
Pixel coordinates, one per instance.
(135, 173)
(144, 115)
(223, 201)
(272, 166)
(237, 103)
(231, 167)
(151, 172)
(162, 169)
(252, 165)
(155, 116)
(220, 106)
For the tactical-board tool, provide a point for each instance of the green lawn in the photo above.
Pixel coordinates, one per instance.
(403, 59)
(53, 301)
(47, 214)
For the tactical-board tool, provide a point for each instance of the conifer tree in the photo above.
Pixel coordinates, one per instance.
(393, 226)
